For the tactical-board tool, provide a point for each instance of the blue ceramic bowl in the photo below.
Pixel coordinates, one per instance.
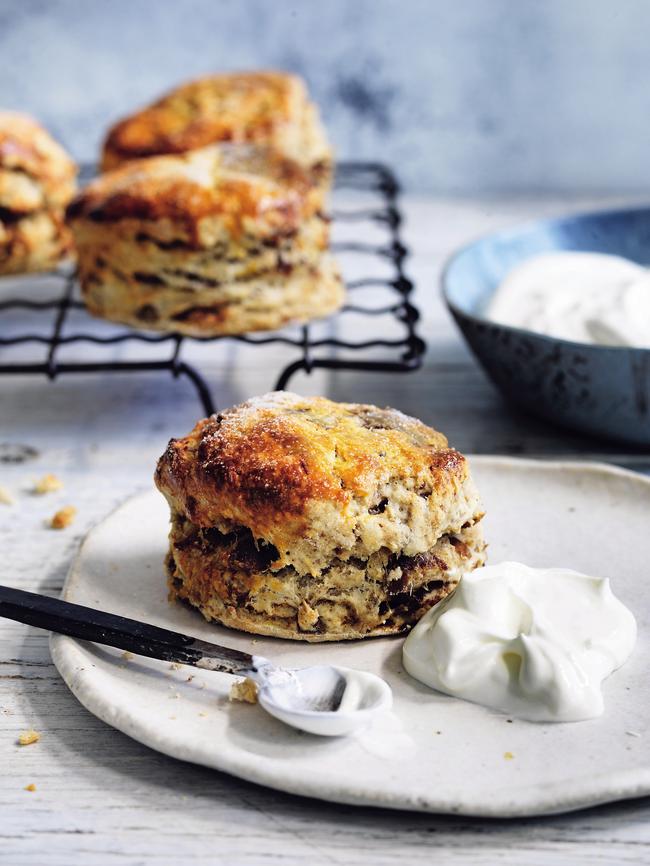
(604, 391)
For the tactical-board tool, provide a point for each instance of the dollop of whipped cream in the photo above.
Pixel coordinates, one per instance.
(535, 643)
(584, 297)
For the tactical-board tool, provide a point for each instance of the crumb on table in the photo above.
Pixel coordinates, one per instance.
(5, 496)
(63, 517)
(26, 738)
(47, 484)
(244, 690)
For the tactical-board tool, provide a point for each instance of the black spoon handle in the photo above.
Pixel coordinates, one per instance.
(141, 638)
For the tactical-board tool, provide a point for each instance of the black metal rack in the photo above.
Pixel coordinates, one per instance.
(403, 354)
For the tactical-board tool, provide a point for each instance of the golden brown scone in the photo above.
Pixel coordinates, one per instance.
(222, 240)
(304, 518)
(35, 171)
(37, 180)
(264, 108)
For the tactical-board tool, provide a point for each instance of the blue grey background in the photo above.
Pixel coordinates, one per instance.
(471, 96)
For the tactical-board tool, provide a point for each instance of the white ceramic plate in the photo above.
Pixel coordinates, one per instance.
(433, 753)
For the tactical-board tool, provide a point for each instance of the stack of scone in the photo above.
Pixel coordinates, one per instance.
(308, 519)
(271, 109)
(211, 217)
(37, 180)
(222, 240)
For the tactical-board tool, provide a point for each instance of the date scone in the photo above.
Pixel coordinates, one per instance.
(264, 108)
(222, 240)
(37, 180)
(302, 518)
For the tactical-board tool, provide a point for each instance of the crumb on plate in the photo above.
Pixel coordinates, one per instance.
(508, 756)
(26, 738)
(5, 496)
(30, 787)
(127, 655)
(47, 484)
(63, 517)
(243, 690)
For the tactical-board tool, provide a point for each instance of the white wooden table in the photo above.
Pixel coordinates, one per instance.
(102, 798)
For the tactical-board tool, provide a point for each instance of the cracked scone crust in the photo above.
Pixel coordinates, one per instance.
(224, 240)
(308, 519)
(37, 180)
(265, 108)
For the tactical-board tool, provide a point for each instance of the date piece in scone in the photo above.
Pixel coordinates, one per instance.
(303, 518)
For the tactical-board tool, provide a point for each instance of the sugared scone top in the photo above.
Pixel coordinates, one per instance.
(205, 196)
(35, 171)
(320, 480)
(267, 108)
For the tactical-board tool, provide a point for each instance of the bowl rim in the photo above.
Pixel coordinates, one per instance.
(512, 231)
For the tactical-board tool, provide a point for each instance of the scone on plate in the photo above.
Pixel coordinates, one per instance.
(222, 240)
(264, 108)
(37, 180)
(303, 518)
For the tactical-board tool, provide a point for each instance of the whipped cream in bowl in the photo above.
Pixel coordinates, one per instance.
(584, 297)
(558, 314)
(534, 643)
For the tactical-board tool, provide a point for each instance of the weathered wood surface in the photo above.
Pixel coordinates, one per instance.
(102, 798)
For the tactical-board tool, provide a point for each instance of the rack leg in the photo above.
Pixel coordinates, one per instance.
(200, 384)
(288, 372)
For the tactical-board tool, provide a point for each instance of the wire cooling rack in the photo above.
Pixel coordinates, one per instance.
(313, 350)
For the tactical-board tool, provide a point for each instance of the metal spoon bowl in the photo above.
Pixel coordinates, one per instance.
(326, 700)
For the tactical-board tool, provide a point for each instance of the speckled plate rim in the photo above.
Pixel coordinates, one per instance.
(525, 801)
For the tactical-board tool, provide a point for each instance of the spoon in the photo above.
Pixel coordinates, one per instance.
(325, 699)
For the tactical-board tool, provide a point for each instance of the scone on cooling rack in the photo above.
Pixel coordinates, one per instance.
(223, 240)
(264, 108)
(37, 180)
(303, 518)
